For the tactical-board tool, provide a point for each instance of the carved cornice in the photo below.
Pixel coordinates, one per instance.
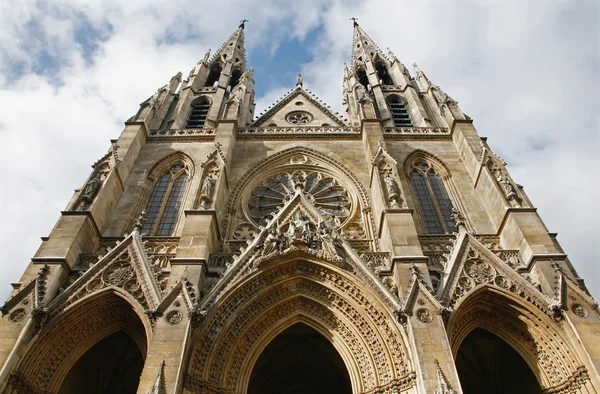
(182, 133)
(273, 133)
(416, 132)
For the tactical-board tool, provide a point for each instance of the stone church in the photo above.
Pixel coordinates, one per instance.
(384, 250)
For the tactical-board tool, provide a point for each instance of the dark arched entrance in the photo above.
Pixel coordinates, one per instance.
(299, 361)
(113, 365)
(487, 364)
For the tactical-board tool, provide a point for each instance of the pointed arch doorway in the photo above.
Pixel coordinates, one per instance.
(299, 361)
(487, 364)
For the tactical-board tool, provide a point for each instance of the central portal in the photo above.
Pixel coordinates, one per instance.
(299, 361)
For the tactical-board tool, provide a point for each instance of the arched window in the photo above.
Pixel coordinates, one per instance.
(235, 78)
(434, 203)
(198, 113)
(163, 208)
(213, 75)
(361, 74)
(399, 112)
(383, 74)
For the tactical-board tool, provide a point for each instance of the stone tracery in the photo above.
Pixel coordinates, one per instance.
(314, 291)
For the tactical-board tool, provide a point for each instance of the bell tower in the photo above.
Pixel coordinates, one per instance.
(387, 250)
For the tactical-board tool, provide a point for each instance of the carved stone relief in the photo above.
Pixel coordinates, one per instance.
(260, 302)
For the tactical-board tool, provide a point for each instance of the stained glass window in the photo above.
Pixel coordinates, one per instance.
(322, 190)
(432, 198)
(162, 211)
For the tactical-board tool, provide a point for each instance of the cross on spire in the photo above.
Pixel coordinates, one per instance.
(353, 19)
(243, 23)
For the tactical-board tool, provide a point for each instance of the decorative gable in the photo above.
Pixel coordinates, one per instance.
(299, 109)
(473, 266)
(125, 267)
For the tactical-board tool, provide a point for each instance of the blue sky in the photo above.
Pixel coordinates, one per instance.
(71, 71)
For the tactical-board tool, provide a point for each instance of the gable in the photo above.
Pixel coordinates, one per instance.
(299, 109)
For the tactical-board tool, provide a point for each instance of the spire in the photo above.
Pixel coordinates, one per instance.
(363, 47)
(159, 386)
(233, 49)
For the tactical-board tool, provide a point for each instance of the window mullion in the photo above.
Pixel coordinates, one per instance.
(164, 205)
(436, 206)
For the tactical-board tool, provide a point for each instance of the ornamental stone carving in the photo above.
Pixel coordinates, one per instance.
(424, 315)
(174, 317)
(319, 293)
(18, 315)
(579, 310)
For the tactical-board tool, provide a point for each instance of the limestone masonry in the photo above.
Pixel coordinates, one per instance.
(387, 250)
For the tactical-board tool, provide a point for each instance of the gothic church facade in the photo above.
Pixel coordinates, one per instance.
(387, 250)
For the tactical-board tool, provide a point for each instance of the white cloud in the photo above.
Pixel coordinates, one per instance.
(528, 72)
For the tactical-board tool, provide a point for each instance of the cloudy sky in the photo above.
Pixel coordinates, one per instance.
(71, 71)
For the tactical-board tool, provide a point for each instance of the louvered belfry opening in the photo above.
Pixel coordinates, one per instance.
(399, 113)
(198, 114)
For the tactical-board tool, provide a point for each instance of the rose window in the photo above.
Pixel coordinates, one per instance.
(322, 190)
(299, 117)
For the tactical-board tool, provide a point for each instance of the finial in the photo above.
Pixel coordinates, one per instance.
(299, 81)
(243, 23)
(353, 19)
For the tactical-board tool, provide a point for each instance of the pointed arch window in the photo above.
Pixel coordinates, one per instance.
(383, 74)
(361, 74)
(399, 112)
(198, 113)
(214, 75)
(162, 211)
(432, 198)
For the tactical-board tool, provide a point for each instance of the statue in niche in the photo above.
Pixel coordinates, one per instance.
(206, 192)
(393, 190)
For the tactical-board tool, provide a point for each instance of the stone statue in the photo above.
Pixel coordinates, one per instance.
(299, 228)
(393, 190)
(91, 189)
(299, 81)
(328, 240)
(206, 191)
(272, 242)
(508, 188)
(361, 95)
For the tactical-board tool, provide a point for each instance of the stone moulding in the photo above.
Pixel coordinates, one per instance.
(329, 132)
(181, 132)
(416, 132)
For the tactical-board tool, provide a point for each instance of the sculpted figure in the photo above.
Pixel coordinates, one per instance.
(206, 191)
(91, 189)
(508, 188)
(328, 240)
(299, 227)
(299, 80)
(207, 187)
(272, 242)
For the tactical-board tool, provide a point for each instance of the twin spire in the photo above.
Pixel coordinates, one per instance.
(233, 49)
